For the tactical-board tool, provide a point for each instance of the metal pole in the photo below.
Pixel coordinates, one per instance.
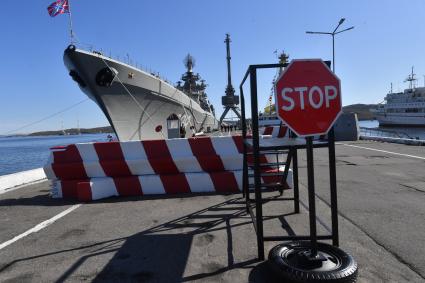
(311, 197)
(257, 177)
(332, 179)
(333, 38)
(229, 77)
(70, 22)
(296, 190)
(333, 52)
(245, 189)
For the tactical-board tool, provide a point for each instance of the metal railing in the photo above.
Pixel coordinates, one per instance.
(376, 132)
(123, 59)
(254, 206)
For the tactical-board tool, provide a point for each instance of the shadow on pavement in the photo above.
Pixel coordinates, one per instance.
(160, 254)
(262, 273)
(38, 200)
(155, 255)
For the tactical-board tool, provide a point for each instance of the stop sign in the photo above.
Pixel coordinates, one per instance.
(308, 97)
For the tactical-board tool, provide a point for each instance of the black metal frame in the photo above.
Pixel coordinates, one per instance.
(257, 217)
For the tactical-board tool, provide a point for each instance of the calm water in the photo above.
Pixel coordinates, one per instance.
(412, 132)
(25, 153)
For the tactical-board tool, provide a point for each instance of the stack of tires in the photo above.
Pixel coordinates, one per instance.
(92, 171)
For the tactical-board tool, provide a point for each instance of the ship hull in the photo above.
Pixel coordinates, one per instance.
(138, 105)
(401, 120)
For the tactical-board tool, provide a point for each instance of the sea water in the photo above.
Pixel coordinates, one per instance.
(25, 153)
(28, 152)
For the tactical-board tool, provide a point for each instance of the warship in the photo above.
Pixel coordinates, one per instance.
(140, 105)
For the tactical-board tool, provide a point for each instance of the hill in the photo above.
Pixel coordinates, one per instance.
(74, 131)
(362, 110)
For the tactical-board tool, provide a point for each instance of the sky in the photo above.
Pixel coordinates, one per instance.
(388, 39)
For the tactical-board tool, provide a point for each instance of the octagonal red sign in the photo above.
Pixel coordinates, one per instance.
(308, 97)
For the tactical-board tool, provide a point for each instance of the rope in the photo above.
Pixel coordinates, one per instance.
(135, 100)
(144, 111)
(47, 117)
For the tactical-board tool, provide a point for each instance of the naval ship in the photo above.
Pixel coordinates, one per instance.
(140, 105)
(405, 108)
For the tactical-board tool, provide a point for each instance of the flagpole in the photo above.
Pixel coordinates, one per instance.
(70, 22)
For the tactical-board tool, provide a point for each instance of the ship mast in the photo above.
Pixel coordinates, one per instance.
(190, 79)
(411, 79)
(283, 59)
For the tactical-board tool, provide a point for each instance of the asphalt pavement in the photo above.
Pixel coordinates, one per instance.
(210, 238)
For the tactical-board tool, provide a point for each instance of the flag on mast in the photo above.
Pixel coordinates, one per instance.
(58, 7)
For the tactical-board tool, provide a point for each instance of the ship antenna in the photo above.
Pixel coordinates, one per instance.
(413, 75)
(411, 79)
(71, 32)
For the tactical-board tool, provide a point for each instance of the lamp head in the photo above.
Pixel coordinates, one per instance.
(341, 20)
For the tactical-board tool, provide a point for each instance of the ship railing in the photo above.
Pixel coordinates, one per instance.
(124, 59)
(376, 132)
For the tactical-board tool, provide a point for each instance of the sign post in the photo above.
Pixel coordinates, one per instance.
(308, 99)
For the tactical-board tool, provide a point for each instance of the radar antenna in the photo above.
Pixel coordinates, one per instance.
(189, 62)
(190, 79)
(230, 100)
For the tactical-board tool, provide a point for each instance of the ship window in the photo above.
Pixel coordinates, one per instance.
(173, 121)
(173, 124)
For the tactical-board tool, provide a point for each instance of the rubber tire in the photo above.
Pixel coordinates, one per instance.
(346, 272)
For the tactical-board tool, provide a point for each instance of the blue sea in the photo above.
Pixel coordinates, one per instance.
(25, 153)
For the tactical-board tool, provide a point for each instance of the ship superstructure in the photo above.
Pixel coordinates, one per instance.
(140, 105)
(405, 108)
(269, 116)
(194, 86)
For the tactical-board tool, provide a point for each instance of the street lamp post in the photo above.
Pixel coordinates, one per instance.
(335, 32)
(331, 142)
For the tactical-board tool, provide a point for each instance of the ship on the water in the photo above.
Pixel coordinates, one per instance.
(140, 105)
(405, 108)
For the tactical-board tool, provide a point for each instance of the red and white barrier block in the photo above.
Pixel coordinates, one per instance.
(275, 131)
(134, 158)
(90, 171)
(201, 182)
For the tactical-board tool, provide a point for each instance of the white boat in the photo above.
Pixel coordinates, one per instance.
(140, 105)
(405, 108)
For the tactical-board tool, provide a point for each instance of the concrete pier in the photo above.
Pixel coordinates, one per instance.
(381, 192)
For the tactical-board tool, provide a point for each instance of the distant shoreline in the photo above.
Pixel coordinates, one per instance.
(66, 132)
(74, 131)
(362, 111)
